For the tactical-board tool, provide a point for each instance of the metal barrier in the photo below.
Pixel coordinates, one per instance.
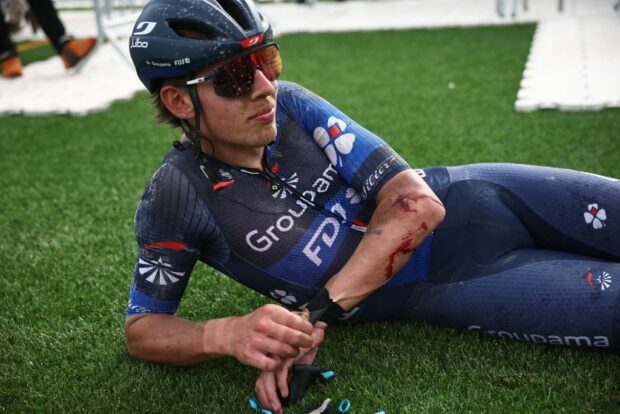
(115, 19)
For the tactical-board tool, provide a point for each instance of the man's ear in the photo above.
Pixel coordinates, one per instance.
(178, 101)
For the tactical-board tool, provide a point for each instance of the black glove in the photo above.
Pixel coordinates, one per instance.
(322, 308)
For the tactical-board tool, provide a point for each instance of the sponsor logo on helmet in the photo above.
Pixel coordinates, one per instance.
(595, 216)
(334, 142)
(137, 43)
(144, 28)
(574, 340)
(599, 282)
(158, 272)
(159, 64)
(181, 62)
(252, 41)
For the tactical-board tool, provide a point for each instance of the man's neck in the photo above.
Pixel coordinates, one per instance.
(239, 156)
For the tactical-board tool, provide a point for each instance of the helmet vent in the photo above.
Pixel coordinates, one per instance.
(234, 10)
(192, 29)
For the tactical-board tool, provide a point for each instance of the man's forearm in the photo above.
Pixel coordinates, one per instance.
(407, 212)
(262, 338)
(167, 339)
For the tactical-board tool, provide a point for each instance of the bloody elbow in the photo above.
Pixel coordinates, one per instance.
(428, 211)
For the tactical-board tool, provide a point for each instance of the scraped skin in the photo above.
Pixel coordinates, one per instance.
(407, 212)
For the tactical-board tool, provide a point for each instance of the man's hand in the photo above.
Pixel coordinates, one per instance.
(269, 382)
(268, 336)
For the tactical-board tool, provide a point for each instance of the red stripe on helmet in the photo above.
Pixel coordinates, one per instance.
(252, 41)
(169, 245)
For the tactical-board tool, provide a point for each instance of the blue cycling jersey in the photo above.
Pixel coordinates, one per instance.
(283, 231)
(528, 253)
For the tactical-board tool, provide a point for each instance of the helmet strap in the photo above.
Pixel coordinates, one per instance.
(194, 138)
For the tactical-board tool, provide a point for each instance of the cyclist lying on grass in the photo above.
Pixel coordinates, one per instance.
(276, 188)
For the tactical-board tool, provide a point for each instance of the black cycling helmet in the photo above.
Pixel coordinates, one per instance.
(161, 48)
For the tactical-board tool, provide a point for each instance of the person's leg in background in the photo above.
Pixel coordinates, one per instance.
(71, 51)
(11, 64)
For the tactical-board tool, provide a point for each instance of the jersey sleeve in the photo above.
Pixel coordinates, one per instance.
(363, 159)
(173, 228)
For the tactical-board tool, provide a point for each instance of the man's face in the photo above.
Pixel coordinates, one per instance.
(233, 124)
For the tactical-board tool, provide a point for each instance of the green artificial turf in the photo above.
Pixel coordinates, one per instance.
(70, 187)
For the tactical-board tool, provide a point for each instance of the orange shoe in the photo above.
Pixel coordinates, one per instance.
(76, 50)
(12, 67)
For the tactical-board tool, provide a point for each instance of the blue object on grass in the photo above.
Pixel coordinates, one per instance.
(255, 405)
(327, 375)
(344, 406)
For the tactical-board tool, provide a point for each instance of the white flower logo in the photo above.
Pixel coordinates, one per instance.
(283, 297)
(353, 196)
(158, 272)
(333, 141)
(602, 281)
(282, 191)
(595, 216)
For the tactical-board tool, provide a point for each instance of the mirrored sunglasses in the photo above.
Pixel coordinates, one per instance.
(236, 78)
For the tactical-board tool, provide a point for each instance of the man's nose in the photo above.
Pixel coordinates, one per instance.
(262, 86)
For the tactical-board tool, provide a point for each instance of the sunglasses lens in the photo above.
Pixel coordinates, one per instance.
(270, 61)
(236, 78)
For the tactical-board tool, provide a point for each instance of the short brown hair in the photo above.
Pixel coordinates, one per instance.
(163, 115)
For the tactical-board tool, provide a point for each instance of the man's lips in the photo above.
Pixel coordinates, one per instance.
(264, 114)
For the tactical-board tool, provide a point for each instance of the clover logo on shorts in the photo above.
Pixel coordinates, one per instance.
(158, 271)
(334, 141)
(595, 216)
(283, 297)
(600, 282)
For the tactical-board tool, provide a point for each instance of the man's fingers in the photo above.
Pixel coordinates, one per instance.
(317, 337)
(290, 336)
(320, 325)
(282, 377)
(266, 391)
(275, 347)
(260, 390)
(261, 361)
(293, 321)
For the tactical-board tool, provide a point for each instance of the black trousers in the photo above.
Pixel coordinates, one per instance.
(47, 16)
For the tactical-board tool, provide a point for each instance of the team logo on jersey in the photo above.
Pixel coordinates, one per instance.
(353, 196)
(158, 271)
(596, 216)
(334, 141)
(282, 192)
(283, 297)
(599, 282)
